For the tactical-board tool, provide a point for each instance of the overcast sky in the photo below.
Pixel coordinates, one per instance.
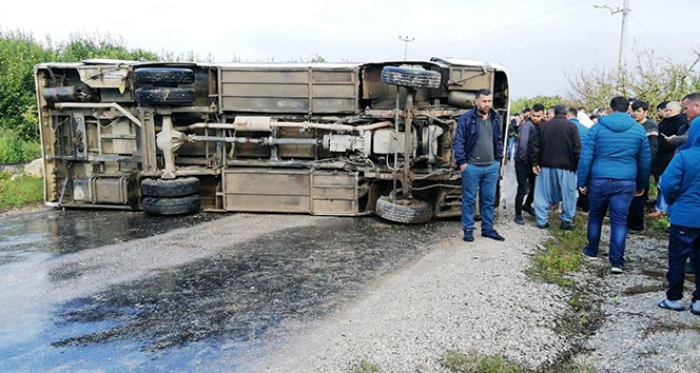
(539, 41)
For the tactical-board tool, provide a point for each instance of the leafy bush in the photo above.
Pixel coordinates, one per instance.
(15, 150)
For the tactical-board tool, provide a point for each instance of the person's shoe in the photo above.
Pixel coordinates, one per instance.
(519, 220)
(695, 307)
(543, 226)
(468, 235)
(656, 214)
(675, 305)
(493, 235)
(567, 225)
(616, 270)
(650, 202)
(529, 210)
(635, 230)
(588, 255)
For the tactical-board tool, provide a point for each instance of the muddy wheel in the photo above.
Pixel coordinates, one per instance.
(411, 77)
(163, 75)
(171, 206)
(414, 212)
(170, 188)
(164, 96)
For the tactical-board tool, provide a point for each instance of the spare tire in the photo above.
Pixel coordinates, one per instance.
(170, 188)
(163, 75)
(171, 206)
(164, 96)
(414, 212)
(411, 77)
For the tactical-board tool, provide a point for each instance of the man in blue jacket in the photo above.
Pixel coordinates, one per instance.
(613, 168)
(478, 148)
(680, 186)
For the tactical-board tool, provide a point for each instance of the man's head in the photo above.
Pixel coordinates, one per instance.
(571, 113)
(691, 105)
(484, 101)
(537, 113)
(526, 113)
(639, 110)
(673, 108)
(560, 109)
(550, 113)
(619, 104)
(661, 109)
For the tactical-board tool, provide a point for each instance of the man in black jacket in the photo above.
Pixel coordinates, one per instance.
(555, 160)
(669, 126)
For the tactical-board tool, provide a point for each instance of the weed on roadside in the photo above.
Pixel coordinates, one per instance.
(365, 367)
(460, 363)
(19, 190)
(661, 327)
(562, 254)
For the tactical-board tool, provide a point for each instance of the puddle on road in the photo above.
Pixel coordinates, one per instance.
(62, 232)
(238, 297)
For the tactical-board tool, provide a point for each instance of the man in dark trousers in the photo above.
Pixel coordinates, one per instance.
(527, 132)
(478, 148)
(635, 215)
(555, 160)
(614, 167)
(668, 127)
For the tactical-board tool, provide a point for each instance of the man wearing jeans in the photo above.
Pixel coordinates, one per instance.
(478, 148)
(680, 185)
(613, 168)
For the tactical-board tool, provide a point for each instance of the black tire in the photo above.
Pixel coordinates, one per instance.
(163, 75)
(415, 212)
(164, 96)
(170, 188)
(171, 206)
(411, 77)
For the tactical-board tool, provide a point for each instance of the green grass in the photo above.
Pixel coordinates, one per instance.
(19, 191)
(459, 363)
(365, 367)
(562, 253)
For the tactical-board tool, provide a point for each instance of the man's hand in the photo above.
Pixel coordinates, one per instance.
(639, 192)
(462, 167)
(669, 139)
(536, 170)
(583, 190)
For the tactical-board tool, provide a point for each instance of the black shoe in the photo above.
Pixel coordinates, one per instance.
(567, 225)
(529, 210)
(545, 226)
(519, 220)
(493, 235)
(468, 235)
(688, 269)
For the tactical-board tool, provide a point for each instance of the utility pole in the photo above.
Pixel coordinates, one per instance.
(407, 40)
(625, 10)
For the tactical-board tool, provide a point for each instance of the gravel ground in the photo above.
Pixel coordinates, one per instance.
(475, 298)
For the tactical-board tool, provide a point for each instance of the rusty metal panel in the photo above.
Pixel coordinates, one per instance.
(289, 89)
(268, 90)
(469, 78)
(267, 184)
(334, 194)
(257, 203)
(267, 105)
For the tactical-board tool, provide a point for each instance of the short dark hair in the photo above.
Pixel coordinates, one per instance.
(695, 96)
(560, 109)
(662, 105)
(636, 104)
(483, 92)
(573, 111)
(537, 107)
(619, 104)
(526, 110)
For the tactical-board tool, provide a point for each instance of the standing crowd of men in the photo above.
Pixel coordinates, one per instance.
(599, 164)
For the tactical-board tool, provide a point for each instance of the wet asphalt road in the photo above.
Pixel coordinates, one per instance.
(218, 313)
